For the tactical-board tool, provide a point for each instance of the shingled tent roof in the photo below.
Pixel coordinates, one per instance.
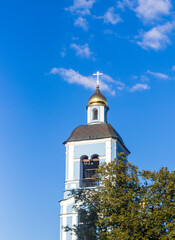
(94, 131)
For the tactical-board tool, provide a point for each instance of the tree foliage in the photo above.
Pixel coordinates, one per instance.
(127, 204)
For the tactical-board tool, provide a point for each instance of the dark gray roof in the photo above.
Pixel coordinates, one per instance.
(94, 131)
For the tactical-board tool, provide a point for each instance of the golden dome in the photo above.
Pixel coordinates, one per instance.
(97, 99)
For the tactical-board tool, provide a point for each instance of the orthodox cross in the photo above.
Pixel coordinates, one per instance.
(97, 74)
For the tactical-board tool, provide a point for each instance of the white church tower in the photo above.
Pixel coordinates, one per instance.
(87, 147)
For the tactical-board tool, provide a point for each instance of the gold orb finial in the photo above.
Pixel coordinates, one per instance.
(97, 98)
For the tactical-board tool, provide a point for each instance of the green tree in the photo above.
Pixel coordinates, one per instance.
(159, 204)
(127, 204)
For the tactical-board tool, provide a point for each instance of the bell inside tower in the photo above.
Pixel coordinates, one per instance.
(89, 167)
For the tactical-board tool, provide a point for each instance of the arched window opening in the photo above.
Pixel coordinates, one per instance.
(94, 114)
(84, 157)
(95, 157)
(89, 167)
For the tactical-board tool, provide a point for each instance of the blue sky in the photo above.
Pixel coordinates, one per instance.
(48, 53)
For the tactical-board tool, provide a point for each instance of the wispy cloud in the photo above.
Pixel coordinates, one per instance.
(156, 38)
(112, 17)
(126, 3)
(63, 52)
(158, 75)
(108, 31)
(173, 68)
(149, 10)
(82, 50)
(144, 78)
(139, 87)
(81, 6)
(120, 85)
(81, 22)
(107, 83)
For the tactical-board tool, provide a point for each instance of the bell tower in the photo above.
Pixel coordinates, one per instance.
(87, 146)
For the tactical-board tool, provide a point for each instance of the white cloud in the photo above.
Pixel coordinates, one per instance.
(71, 76)
(107, 78)
(126, 3)
(82, 50)
(111, 17)
(81, 22)
(144, 78)
(156, 38)
(173, 68)
(158, 75)
(107, 83)
(81, 6)
(149, 10)
(139, 87)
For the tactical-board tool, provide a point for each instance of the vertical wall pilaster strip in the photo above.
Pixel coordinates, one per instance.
(67, 156)
(102, 114)
(64, 225)
(61, 231)
(74, 222)
(88, 115)
(71, 160)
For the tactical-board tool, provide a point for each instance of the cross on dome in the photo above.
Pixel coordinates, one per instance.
(97, 74)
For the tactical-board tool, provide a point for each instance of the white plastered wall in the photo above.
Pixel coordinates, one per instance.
(108, 151)
(71, 145)
(101, 112)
